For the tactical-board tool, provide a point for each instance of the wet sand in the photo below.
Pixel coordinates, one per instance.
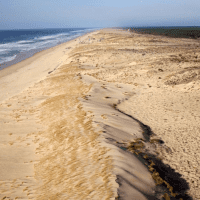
(110, 115)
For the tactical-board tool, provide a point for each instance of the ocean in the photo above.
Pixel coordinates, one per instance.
(16, 45)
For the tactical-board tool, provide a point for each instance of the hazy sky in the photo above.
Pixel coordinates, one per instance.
(97, 13)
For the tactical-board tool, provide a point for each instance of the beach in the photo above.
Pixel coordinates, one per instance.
(109, 115)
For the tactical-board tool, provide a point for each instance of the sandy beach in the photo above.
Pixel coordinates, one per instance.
(110, 115)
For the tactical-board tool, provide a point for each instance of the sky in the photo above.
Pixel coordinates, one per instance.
(26, 14)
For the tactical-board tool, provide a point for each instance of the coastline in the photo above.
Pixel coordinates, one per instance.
(27, 54)
(81, 118)
(31, 55)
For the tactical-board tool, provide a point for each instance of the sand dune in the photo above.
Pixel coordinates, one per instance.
(110, 115)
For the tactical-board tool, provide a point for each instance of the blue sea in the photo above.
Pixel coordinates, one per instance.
(16, 45)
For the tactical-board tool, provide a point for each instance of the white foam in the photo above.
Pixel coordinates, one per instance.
(3, 51)
(25, 42)
(78, 31)
(45, 37)
(17, 46)
(50, 37)
(39, 45)
(11, 45)
(7, 59)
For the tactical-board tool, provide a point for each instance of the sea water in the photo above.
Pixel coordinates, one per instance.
(16, 45)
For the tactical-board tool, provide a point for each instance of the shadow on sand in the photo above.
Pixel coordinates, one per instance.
(169, 184)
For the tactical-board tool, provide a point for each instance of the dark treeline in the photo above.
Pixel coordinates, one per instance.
(177, 32)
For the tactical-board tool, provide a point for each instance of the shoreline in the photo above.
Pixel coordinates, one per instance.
(28, 54)
(31, 61)
(20, 57)
(106, 83)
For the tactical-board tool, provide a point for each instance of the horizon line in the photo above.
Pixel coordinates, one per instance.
(96, 27)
